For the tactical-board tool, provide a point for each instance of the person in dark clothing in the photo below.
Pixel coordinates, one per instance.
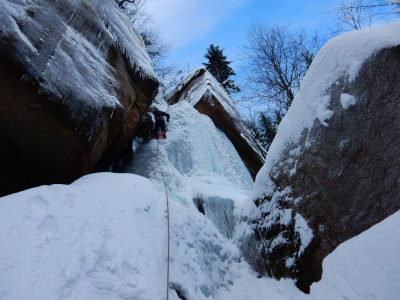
(160, 123)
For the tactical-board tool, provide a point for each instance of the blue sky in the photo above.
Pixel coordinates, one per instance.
(193, 25)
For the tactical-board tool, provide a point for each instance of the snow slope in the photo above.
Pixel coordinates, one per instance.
(104, 237)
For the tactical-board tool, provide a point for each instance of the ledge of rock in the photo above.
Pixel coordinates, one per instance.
(202, 90)
(75, 79)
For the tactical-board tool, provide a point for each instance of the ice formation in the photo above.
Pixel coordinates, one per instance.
(195, 148)
(208, 86)
(65, 50)
(197, 155)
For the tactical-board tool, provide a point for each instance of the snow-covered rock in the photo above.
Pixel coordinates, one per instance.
(202, 90)
(75, 79)
(332, 170)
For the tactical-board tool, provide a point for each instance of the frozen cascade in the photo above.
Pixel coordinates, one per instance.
(220, 211)
(195, 155)
(195, 148)
(202, 169)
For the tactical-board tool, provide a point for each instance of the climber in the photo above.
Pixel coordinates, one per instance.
(160, 123)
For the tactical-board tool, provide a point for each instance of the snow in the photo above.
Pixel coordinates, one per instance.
(347, 100)
(364, 267)
(342, 56)
(89, 240)
(66, 51)
(304, 231)
(105, 237)
(322, 111)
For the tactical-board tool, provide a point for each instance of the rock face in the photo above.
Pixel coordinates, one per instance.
(339, 178)
(202, 90)
(75, 79)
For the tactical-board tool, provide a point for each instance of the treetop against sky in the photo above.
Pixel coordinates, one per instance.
(193, 24)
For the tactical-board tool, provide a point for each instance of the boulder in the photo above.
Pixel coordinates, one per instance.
(333, 169)
(75, 79)
(202, 90)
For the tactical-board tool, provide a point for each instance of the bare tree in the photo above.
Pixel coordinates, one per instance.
(136, 11)
(276, 60)
(156, 46)
(121, 3)
(358, 14)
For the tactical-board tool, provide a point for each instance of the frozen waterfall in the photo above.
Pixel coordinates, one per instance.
(199, 163)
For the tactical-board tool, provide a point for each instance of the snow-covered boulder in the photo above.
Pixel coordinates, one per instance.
(203, 91)
(333, 169)
(75, 78)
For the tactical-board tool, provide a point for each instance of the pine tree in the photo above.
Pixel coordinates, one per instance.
(219, 67)
(266, 127)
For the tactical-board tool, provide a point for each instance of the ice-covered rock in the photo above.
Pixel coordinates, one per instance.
(75, 79)
(202, 90)
(332, 170)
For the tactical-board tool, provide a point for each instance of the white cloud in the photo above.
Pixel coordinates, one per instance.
(183, 21)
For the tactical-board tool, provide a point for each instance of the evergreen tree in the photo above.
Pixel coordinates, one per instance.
(266, 127)
(219, 67)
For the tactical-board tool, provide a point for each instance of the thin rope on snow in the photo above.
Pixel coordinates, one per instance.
(166, 194)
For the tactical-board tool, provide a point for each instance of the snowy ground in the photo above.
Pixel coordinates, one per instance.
(105, 235)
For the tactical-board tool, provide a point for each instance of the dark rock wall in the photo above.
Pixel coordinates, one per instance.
(347, 175)
(47, 137)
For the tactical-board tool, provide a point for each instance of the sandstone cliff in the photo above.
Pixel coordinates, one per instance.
(75, 78)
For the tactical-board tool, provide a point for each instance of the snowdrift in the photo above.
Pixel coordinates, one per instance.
(105, 237)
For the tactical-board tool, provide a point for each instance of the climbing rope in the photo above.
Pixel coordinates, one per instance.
(166, 194)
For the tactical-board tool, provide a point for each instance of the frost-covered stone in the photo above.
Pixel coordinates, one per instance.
(202, 90)
(332, 170)
(75, 78)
